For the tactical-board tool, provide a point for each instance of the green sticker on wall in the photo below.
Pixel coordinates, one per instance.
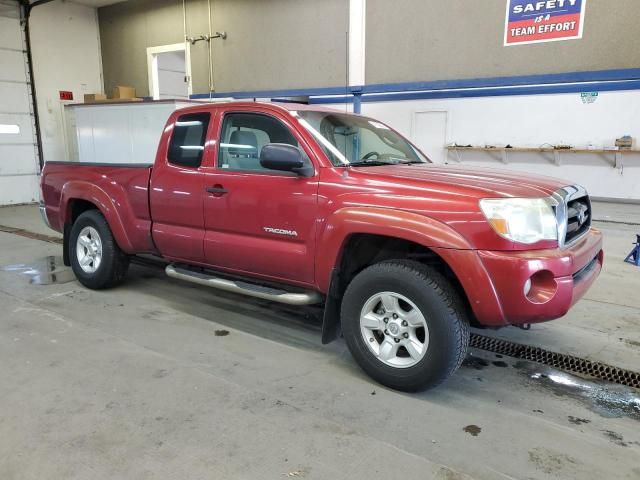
(589, 97)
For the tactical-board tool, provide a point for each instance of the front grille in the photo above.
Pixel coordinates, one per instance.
(578, 218)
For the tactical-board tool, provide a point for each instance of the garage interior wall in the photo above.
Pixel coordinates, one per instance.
(529, 121)
(270, 44)
(460, 39)
(65, 48)
(284, 45)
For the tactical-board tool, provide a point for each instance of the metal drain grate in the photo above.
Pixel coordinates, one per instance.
(557, 360)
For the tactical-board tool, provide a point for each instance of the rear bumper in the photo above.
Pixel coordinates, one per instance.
(43, 214)
(531, 286)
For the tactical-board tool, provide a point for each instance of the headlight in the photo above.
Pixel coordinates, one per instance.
(522, 220)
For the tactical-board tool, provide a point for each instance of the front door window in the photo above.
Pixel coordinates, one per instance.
(243, 136)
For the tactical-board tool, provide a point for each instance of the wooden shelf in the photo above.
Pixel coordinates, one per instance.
(542, 149)
(503, 151)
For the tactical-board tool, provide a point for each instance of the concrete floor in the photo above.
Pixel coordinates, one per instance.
(161, 379)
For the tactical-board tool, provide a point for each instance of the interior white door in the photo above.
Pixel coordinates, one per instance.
(429, 133)
(19, 166)
(172, 75)
(169, 69)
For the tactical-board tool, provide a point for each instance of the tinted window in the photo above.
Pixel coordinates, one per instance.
(243, 136)
(187, 142)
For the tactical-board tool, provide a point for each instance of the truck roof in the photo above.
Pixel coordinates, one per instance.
(288, 106)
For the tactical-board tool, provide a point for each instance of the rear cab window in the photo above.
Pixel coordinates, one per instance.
(189, 136)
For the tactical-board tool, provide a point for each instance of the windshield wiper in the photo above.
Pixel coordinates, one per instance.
(370, 163)
(377, 163)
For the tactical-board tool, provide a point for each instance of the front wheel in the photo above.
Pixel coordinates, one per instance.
(404, 325)
(96, 259)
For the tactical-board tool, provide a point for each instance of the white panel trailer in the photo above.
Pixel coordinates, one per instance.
(126, 132)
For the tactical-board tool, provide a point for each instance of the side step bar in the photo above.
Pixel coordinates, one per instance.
(244, 288)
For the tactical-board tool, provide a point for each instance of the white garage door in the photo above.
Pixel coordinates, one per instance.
(19, 165)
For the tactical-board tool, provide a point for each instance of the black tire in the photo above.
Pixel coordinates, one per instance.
(441, 307)
(114, 263)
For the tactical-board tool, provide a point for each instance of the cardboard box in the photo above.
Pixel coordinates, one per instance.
(123, 92)
(94, 97)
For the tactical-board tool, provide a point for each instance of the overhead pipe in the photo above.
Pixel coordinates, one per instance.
(184, 29)
(206, 38)
(209, 58)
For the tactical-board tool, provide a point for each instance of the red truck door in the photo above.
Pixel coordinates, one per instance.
(177, 188)
(259, 221)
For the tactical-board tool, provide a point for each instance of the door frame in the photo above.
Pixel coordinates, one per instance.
(152, 66)
(447, 125)
(213, 174)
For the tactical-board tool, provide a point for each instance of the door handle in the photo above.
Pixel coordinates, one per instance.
(217, 190)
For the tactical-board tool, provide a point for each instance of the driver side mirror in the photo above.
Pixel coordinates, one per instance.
(286, 158)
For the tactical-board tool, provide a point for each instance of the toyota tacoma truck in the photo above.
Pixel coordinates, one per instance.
(304, 205)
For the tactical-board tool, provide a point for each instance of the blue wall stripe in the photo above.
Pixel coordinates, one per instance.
(603, 80)
(484, 92)
(554, 78)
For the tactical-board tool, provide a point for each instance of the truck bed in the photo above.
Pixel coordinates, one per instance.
(121, 188)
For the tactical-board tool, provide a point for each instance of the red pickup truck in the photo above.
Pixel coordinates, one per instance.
(304, 205)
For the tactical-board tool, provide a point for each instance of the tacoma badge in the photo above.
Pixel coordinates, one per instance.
(281, 231)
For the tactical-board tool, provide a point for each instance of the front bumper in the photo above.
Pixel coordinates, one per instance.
(499, 291)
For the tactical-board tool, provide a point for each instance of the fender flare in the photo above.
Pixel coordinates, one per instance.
(80, 190)
(387, 222)
(348, 221)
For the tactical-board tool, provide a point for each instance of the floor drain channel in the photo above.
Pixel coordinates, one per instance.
(28, 234)
(567, 363)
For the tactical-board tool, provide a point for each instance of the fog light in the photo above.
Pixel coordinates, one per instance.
(541, 287)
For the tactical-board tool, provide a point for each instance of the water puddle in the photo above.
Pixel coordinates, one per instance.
(606, 399)
(44, 271)
(609, 400)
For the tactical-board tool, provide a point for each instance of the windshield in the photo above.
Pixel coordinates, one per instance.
(354, 140)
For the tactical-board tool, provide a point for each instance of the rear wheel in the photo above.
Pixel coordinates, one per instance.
(96, 259)
(404, 325)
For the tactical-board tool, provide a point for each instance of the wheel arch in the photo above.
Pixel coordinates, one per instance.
(78, 197)
(358, 237)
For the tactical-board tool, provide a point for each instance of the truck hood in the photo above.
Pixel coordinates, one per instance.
(447, 194)
(486, 182)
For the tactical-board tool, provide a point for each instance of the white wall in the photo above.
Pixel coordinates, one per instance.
(531, 121)
(66, 56)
